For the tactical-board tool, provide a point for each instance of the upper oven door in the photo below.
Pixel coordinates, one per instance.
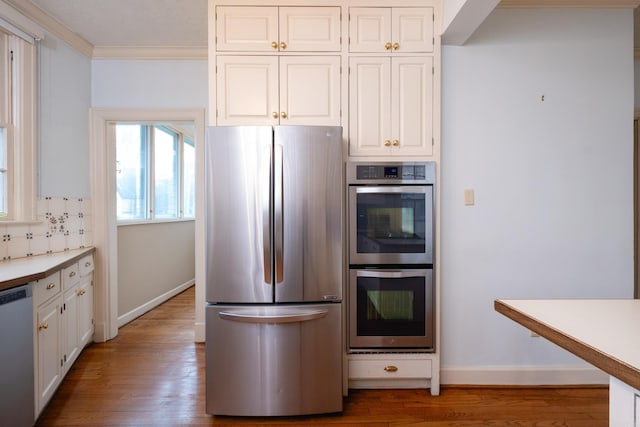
(391, 225)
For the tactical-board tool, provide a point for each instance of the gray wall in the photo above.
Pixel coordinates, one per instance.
(153, 259)
(65, 93)
(553, 180)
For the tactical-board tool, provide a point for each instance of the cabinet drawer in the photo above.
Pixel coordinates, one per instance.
(391, 369)
(70, 276)
(86, 265)
(46, 288)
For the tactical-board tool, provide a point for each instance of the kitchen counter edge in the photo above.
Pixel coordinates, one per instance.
(617, 368)
(20, 271)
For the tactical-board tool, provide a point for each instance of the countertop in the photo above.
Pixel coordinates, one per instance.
(19, 271)
(604, 332)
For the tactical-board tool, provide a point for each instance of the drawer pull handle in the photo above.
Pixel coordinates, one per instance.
(387, 46)
(51, 286)
(42, 326)
(274, 45)
(391, 368)
(81, 292)
(73, 273)
(87, 264)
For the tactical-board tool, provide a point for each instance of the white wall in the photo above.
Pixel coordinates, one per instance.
(552, 179)
(149, 84)
(65, 98)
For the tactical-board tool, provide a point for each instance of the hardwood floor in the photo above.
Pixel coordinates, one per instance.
(152, 374)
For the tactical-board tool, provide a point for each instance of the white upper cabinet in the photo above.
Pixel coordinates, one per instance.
(391, 30)
(271, 90)
(277, 29)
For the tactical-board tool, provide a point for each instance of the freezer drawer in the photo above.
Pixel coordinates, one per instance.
(273, 360)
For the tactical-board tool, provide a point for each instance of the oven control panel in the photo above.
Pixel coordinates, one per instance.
(414, 172)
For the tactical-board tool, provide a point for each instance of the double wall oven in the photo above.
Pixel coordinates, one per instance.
(391, 244)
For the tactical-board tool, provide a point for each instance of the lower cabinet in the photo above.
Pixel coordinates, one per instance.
(64, 324)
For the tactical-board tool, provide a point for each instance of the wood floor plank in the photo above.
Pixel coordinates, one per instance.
(152, 374)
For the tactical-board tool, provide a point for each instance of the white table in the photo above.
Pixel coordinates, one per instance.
(604, 332)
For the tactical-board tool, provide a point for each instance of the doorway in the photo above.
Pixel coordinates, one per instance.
(103, 189)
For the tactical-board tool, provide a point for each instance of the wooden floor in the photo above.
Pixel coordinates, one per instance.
(152, 374)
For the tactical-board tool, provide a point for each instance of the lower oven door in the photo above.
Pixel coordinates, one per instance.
(391, 309)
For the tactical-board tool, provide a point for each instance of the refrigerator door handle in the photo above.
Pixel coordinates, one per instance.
(257, 317)
(278, 192)
(266, 216)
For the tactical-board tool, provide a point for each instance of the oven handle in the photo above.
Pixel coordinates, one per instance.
(417, 189)
(391, 274)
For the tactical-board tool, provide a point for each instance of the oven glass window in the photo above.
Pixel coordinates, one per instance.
(391, 307)
(390, 223)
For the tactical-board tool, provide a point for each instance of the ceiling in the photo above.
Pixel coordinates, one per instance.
(111, 28)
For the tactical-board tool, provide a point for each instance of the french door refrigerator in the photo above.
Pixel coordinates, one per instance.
(273, 270)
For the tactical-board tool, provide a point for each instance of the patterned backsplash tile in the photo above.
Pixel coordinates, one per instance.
(64, 223)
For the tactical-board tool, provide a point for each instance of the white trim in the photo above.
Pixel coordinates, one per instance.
(139, 311)
(571, 3)
(19, 24)
(524, 375)
(150, 52)
(102, 156)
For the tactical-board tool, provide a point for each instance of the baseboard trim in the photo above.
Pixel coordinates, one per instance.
(524, 375)
(199, 329)
(139, 311)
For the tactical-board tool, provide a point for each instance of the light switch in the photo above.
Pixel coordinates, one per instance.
(469, 199)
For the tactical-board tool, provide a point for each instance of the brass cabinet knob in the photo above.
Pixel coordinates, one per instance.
(283, 45)
(274, 45)
(73, 273)
(274, 115)
(43, 325)
(387, 143)
(391, 368)
(387, 46)
(283, 115)
(395, 143)
(87, 264)
(396, 46)
(51, 285)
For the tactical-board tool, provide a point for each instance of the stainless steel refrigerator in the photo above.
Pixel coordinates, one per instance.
(273, 270)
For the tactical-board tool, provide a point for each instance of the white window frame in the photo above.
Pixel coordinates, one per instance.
(151, 214)
(19, 118)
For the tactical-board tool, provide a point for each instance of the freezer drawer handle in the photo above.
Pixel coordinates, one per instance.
(272, 318)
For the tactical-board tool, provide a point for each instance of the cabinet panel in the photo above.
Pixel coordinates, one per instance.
(310, 90)
(71, 347)
(389, 369)
(369, 106)
(369, 29)
(392, 30)
(85, 311)
(412, 29)
(412, 105)
(247, 89)
(46, 288)
(49, 331)
(246, 28)
(309, 29)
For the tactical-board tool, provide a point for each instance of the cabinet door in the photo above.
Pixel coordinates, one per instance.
(49, 334)
(412, 105)
(71, 347)
(369, 106)
(85, 311)
(310, 90)
(242, 29)
(412, 29)
(247, 88)
(309, 29)
(369, 29)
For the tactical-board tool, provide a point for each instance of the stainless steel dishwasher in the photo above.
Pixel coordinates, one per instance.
(16, 357)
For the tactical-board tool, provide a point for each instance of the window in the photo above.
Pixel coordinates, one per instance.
(17, 128)
(155, 165)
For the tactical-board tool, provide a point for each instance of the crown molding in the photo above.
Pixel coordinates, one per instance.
(570, 3)
(52, 26)
(150, 52)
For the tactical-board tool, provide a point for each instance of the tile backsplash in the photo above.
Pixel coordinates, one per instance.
(64, 223)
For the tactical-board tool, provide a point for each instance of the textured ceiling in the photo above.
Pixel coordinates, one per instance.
(174, 23)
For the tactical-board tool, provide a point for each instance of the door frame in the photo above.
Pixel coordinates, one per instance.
(103, 181)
